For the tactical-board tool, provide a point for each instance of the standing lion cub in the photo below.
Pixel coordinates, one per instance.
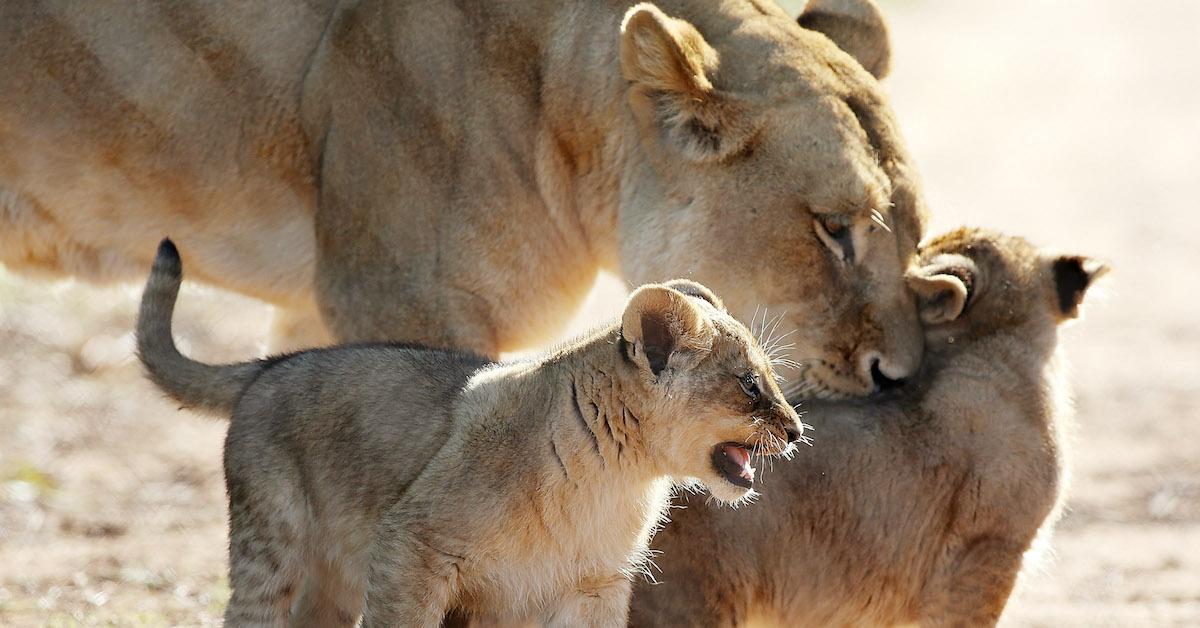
(915, 509)
(419, 479)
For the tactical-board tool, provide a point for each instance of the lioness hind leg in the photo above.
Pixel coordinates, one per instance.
(974, 591)
(35, 242)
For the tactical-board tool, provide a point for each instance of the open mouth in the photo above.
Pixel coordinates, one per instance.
(732, 462)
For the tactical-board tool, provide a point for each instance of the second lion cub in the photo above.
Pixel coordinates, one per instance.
(916, 507)
(419, 479)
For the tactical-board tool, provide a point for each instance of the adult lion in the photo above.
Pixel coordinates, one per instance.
(455, 173)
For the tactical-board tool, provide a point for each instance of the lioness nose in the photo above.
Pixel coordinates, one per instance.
(793, 433)
(883, 382)
(879, 379)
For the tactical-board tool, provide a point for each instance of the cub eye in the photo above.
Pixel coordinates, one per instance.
(834, 231)
(749, 383)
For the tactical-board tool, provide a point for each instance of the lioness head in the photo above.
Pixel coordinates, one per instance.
(975, 283)
(709, 394)
(771, 159)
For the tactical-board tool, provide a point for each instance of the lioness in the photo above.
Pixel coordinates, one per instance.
(454, 173)
(429, 479)
(918, 508)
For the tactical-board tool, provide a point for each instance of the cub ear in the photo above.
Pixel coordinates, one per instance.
(942, 288)
(698, 290)
(669, 66)
(857, 27)
(664, 327)
(1073, 275)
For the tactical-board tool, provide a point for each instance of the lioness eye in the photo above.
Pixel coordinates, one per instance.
(749, 383)
(834, 231)
(835, 228)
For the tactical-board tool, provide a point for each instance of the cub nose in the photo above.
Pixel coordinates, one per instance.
(793, 433)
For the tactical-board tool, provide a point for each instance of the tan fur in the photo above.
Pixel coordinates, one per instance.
(456, 173)
(918, 508)
(426, 480)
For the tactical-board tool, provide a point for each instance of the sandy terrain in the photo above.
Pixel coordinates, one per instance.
(1075, 123)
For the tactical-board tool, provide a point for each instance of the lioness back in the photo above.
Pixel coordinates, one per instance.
(195, 131)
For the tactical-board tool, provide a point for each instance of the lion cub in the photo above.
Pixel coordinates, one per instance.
(915, 508)
(419, 479)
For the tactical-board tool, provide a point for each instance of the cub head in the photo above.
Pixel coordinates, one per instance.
(768, 166)
(709, 394)
(975, 283)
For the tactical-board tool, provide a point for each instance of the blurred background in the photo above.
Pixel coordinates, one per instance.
(1075, 123)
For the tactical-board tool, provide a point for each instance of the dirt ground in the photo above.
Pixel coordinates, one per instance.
(1075, 123)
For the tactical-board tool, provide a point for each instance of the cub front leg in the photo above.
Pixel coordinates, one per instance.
(974, 589)
(595, 602)
(409, 583)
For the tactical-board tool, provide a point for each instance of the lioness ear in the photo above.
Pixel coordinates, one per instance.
(669, 65)
(663, 328)
(942, 290)
(857, 27)
(698, 290)
(1073, 275)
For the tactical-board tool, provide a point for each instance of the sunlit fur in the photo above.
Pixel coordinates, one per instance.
(919, 506)
(455, 173)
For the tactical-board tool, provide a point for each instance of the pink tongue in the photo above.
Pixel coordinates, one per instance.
(742, 458)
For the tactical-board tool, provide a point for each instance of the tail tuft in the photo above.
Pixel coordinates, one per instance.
(194, 384)
(167, 259)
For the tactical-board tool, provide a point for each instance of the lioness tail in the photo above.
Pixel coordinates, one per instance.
(194, 384)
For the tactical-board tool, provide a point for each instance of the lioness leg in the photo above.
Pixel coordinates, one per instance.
(383, 279)
(296, 327)
(692, 597)
(440, 316)
(974, 590)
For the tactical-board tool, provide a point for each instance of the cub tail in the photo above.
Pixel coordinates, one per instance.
(207, 387)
